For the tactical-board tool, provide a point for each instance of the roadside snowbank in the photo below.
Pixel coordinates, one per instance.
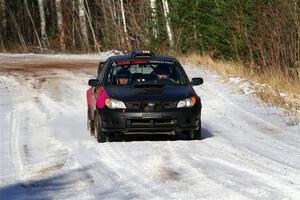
(291, 101)
(100, 56)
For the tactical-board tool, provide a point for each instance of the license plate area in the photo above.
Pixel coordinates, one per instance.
(151, 115)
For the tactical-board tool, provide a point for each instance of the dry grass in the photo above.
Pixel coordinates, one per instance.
(277, 81)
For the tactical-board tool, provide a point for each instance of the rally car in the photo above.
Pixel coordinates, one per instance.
(143, 93)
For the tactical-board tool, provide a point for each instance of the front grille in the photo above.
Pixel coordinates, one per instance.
(150, 106)
(169, 104)
(133, 105)
(136, 123)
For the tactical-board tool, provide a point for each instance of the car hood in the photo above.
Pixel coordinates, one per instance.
(166, 93)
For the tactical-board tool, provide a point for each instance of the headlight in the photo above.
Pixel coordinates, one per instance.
(114, 104)
(189, 102)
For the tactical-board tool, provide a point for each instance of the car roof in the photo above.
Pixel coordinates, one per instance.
(129, 57)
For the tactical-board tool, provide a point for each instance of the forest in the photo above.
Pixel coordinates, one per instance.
(263, 34)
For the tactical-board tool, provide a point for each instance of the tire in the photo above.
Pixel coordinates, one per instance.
(190, 134)
(99, 134)
(91, 127)
(90, 123)
(193, 134)
(197, 134)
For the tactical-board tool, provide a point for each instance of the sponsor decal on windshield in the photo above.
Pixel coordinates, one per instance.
(161, 62)
(136, 62)
(133, 62)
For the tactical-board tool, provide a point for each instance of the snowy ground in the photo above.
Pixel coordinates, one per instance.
(248, 150)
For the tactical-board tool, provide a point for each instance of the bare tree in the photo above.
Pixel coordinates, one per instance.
(83, 26)
(34, 28)
(113, 16)
(17, 27)
(3, 23)
(60, 25)
(137, 23)
(89, 17)
(74, 26)
(105, 27)
(168, 26)
(124, 25)
(43, 24)
(154, 17)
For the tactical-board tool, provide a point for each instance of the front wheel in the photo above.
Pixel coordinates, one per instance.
(99, 134)
(91, 127)
(194, 134)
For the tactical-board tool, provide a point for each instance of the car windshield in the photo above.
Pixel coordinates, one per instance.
(145, 73)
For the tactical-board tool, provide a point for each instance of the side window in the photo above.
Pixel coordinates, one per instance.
(101, 70)
(100, 67)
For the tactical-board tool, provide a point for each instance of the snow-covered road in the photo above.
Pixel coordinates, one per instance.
(248, 150)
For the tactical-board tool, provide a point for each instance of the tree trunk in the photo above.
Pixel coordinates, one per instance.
(3, 24)
(115, 33)
(17, 28)
(125, 25)
(105, 27)
(89, 17)
(60, 25)
(83, 26)
(73, 24)
(3, 16)
(154, 17)
(43, 24)
(169, 31)
(34, 28)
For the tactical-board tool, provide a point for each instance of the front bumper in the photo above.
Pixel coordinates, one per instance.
(175, 120)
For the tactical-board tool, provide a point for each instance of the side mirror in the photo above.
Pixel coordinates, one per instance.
(94, 82)
(197, 81)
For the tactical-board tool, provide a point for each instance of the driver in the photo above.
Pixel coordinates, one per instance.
(162, 72)
(123, 76)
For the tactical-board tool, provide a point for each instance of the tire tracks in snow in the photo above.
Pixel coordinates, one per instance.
(243, 159)
(48, 161)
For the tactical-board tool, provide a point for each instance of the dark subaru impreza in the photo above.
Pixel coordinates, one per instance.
(143, 93)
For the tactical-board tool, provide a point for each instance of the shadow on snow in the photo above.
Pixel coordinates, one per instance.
(158, 137)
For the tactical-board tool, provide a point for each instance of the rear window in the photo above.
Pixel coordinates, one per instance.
(145, 71)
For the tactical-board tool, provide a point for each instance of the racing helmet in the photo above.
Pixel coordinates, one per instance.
(123, 73)
(162, 70)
